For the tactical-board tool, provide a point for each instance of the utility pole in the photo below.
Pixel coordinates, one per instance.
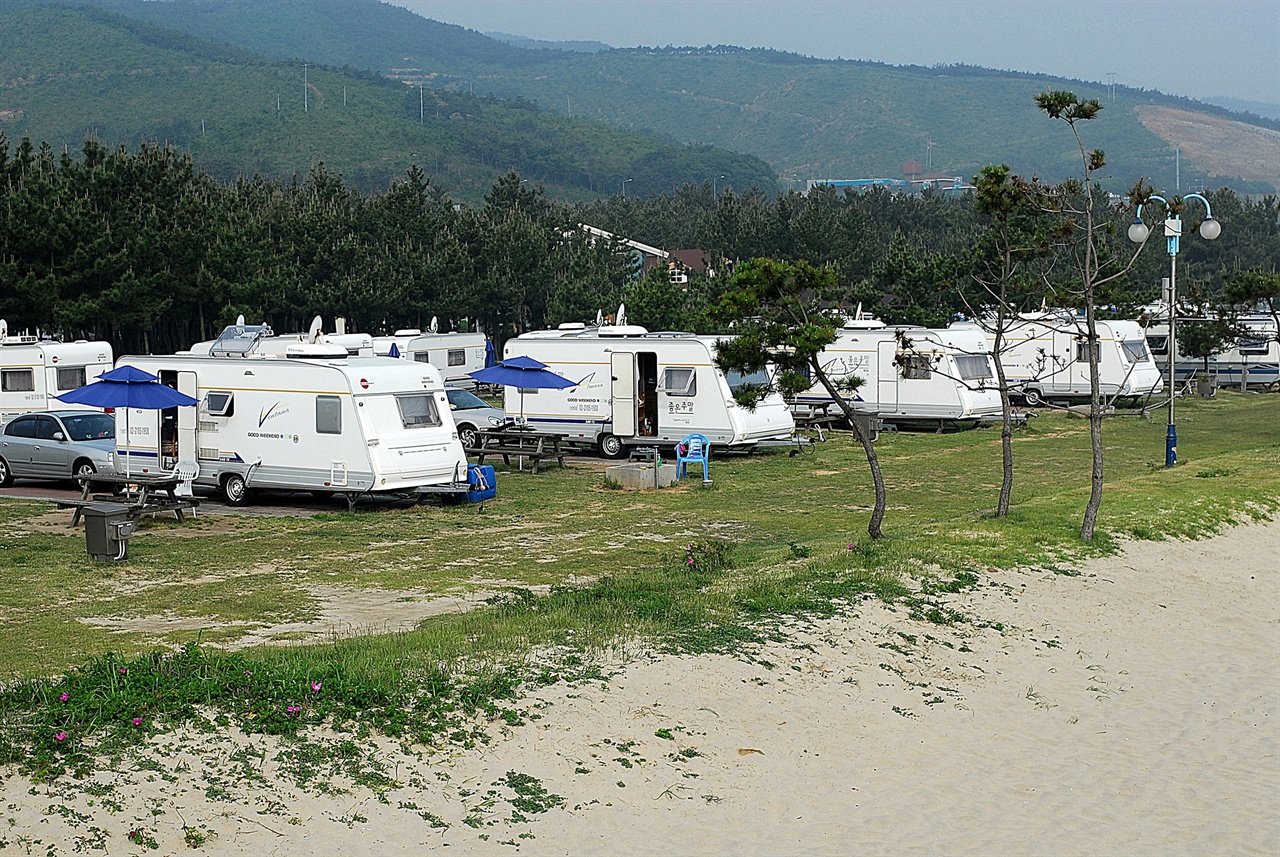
(306, 104)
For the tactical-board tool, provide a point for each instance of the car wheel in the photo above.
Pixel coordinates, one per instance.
(6, 475)
(83, 471)
(235, 490)
(1033, 397)
(467, 434)
(611, 446)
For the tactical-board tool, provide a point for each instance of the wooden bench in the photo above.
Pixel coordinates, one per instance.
(533, 445)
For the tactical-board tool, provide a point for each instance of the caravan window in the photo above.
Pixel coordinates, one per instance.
(973, 366)
(71, 378)
(1252, 345)
(757, 380)
(17, 380)
(418, 410)
(457, 356)
(680, 381)
(917, 367)
(328, 415)
(219, 403)
(1158, 344)
(1082, 351)
(1135, 350)
(422, 357)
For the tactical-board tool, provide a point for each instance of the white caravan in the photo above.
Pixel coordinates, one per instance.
(1045, 356)
(456, 355)
(639, 388)
(351, 425)
(34, 370)
(1254, 358)
(241, 340)
(909, 374)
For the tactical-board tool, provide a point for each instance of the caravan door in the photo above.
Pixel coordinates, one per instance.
(187, 419)
(886, 376)
(623, 370)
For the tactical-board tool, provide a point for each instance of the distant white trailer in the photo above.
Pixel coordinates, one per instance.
(909, 374)
(639, 388)
(1045, 356)
(349, 425)
(456, 355)
(242, 340)
(1254, 358)
(34, 370)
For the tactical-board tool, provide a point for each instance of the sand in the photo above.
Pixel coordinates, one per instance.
(1128, 709)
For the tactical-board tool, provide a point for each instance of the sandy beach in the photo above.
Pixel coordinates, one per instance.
(1129, 707)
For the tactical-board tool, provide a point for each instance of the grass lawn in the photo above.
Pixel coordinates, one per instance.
(568, 567)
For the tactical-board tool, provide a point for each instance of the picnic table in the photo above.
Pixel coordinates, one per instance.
(520, 441)
(141, 493)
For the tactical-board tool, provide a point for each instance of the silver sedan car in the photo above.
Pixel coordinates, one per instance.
(57, 445)
(470, 412)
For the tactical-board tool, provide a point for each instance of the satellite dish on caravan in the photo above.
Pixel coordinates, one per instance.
(435, 324)
(317, 328)
(240, 320)
(599, 317)
(622, 315)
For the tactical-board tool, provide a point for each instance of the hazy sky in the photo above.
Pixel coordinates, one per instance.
(1198, 48)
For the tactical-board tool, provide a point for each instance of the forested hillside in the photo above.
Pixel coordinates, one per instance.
(68, 73)
(808, 118)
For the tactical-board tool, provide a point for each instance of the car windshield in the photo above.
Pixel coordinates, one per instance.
(90, 427)
(462, 400)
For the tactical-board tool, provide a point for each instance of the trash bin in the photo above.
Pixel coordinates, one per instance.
(107, 528)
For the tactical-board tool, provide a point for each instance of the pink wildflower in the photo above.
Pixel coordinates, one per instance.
(60, 736)
(137, 721)
(293, 709)
(850, 547)
(315, 686)
(65, 696)
(123, 670)
(690, 560)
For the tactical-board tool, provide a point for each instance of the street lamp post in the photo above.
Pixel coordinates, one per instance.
(713, 185)
(1138, 233)
(624, 186)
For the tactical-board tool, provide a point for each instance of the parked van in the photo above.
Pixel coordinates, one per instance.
(34, 370)
(909, 374)
(349, 425)
(1045, 355)
(634, 387)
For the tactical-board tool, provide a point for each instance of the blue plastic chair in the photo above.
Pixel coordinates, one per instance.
(694, 448)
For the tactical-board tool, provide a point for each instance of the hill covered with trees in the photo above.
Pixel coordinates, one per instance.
(70, 73)
(808, 118)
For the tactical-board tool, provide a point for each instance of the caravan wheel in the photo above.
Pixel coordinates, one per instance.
(611, 446)
(235, 490)
(1033, 396)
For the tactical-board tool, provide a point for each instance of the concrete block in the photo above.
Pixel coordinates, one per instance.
(641, 477)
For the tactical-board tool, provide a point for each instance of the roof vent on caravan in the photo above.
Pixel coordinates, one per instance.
(408, 331)
(572, 325)
(239, 340)
(304, 350)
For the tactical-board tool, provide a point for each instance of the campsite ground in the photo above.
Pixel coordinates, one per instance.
(970, 685)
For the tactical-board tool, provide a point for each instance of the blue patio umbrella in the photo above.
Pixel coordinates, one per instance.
(128, 387)
(523, 373)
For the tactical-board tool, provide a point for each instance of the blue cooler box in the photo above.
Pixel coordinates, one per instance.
(483, 482)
